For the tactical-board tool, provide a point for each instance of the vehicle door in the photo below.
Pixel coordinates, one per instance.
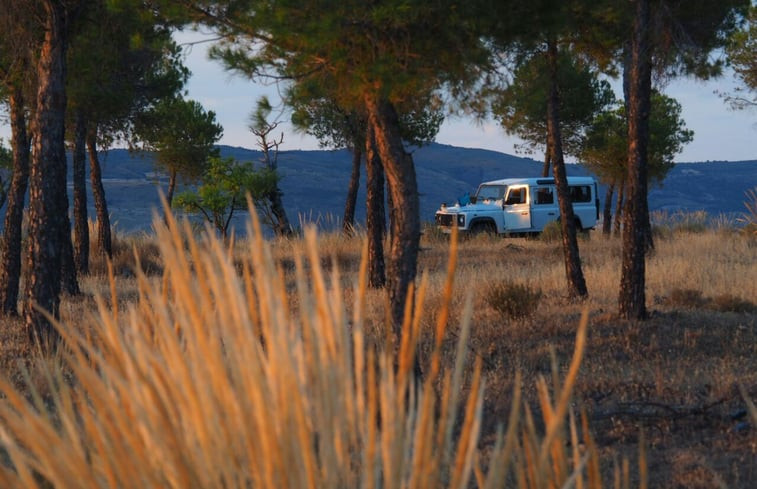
(543, 206)
(517, 209)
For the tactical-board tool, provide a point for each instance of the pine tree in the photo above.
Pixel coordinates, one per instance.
(377, 55)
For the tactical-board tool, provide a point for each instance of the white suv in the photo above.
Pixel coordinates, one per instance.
(520, 206)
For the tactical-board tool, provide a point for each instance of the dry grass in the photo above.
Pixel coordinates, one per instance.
(249, 364)
(233, 369)
(675, 376)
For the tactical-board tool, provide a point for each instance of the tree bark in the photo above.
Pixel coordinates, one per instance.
(619, 209)
(632, 294)
(627, 64)
(10, 261)
(69, 279)
(47, 181)
(281, 226)
(81, 226)
(98, 195)
(607, 210)
(403, 189)
(171, 189)
(547, 162)
(348, 222)
(573, 272)
(374, 213)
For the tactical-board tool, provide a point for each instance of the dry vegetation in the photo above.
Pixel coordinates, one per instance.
(225, 369)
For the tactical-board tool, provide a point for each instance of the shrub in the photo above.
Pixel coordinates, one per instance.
(732, 303)
(552, 232)
(513, 300)
(693, 299)
(686, 298)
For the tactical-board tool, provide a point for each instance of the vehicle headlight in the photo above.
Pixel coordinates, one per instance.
(461, 220)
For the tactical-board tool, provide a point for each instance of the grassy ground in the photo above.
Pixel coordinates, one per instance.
(673, 380)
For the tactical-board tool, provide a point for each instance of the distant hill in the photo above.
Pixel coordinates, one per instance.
(314, 182)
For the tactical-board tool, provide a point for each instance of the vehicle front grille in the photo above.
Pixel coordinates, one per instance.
(445, 219)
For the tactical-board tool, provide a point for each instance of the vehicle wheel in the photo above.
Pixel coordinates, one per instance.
(483, 228)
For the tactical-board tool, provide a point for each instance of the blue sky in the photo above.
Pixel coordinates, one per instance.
(719, 133)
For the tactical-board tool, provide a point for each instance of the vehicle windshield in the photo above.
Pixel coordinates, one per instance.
(490, 192)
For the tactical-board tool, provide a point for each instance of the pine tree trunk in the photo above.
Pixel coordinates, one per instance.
(619, 209)
(547, 162)
(10, 261)
(403, 188)
(574, 274)
(281, 224)
(607, 210)
(171, 189)
(348, 222)
(632, 294)
(47, 182)
(69, 278)
(374, 213)
(81, 227)
(98, 195)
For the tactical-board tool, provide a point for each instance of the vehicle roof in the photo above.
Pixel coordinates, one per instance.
(539, 181)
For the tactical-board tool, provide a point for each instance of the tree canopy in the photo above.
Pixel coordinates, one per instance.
(121, 64)
(742, 56)
(182, 135)
(521, 108)
(224, 189)
(604, 149)
(377, 56)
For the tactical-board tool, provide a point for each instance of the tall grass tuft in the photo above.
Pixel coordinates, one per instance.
(222, 376)
(749, 218)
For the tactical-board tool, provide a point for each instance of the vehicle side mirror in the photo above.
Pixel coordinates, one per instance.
(473, 199)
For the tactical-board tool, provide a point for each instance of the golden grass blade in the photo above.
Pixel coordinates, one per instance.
(563, 400)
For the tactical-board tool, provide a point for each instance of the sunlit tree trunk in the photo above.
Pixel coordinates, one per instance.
(619, 212)
(403, 188)
(98, 195)
(374, 213)
(10, 260)
(574, 274)
(632, 295)
(47, 181)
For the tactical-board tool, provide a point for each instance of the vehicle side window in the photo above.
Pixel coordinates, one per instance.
(580, 193)
(544, 195)
(516, 196)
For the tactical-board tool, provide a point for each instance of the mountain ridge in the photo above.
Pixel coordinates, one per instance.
(314, 182)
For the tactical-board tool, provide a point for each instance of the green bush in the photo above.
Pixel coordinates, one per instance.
(551, 233)
(513, 300)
